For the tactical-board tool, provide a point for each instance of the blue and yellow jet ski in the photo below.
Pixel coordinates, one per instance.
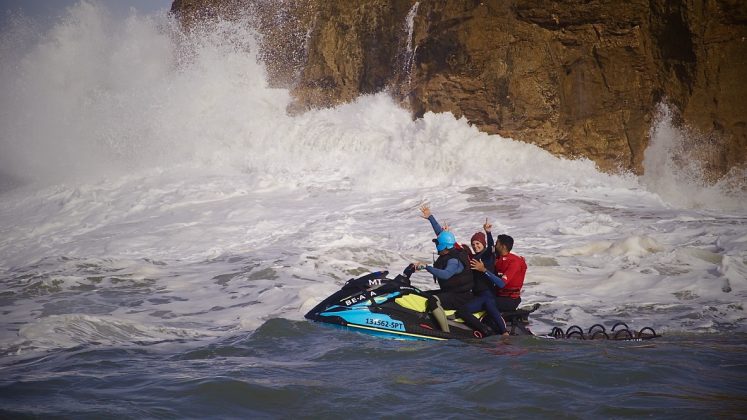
(392, 307)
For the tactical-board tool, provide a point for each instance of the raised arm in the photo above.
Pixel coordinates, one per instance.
(425, 211)
(488, 227)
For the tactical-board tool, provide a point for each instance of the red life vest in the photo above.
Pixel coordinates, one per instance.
(514, 268)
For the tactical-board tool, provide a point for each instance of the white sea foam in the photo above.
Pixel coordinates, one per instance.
(172, 196)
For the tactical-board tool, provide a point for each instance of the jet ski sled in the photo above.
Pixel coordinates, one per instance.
(619, 332)
(379, 305)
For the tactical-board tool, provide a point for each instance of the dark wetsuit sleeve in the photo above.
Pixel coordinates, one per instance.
(434, 224)
(489, 259)
(495, 279)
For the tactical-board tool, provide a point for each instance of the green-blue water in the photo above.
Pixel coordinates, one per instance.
(292, 369)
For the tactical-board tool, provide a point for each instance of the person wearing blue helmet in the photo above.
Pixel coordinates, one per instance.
(451, 270)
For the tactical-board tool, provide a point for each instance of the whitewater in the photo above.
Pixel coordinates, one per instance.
(155, 192)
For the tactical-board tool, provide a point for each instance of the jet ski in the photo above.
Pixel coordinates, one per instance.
(392, 307)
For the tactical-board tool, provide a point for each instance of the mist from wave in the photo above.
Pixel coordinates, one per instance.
(96, 95)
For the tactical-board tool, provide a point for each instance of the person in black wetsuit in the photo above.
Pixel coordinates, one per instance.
(483, 298)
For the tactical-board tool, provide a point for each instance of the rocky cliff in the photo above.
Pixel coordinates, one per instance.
(578, 78)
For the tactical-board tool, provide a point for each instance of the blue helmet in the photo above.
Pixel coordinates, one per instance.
(445, 240)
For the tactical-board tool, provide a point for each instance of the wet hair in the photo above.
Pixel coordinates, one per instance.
(505, 240)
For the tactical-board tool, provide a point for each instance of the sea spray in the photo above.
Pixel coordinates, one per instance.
(112, 96)
(674, 170)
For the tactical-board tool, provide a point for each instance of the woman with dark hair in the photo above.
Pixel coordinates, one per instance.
(484, 298)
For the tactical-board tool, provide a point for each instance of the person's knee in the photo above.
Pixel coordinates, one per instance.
(433, 303)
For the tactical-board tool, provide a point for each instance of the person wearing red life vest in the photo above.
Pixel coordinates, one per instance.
(512, 268)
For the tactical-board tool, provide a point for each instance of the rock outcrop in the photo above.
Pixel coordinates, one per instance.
(580, 78)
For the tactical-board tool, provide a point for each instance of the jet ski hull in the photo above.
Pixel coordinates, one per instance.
(381, 306)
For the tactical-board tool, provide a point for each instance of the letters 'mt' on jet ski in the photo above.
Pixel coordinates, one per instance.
(380, 305)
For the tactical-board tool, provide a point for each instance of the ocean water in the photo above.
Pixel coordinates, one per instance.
(165, 224)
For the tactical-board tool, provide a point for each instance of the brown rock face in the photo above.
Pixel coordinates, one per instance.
(580, 78)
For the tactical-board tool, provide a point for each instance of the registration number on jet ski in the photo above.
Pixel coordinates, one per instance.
(385, 323)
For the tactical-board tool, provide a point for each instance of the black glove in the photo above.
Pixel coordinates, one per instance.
(409, 270)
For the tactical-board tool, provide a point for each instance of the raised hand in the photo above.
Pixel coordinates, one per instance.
(487, 226)
(425, 210)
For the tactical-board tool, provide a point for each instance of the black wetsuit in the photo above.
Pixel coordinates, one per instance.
(456, 290)
(483, 295)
